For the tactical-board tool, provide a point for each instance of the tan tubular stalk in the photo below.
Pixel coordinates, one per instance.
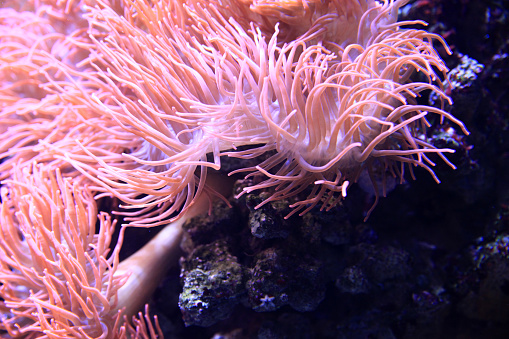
(148, 265)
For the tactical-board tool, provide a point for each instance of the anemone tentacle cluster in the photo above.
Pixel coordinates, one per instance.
(166, 83)
(54, 272)
(142, 100)
(173, 82)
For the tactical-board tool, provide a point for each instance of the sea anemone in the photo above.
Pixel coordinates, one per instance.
(59, 275)
(55, 271)
(183, 80)
(32, 38)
